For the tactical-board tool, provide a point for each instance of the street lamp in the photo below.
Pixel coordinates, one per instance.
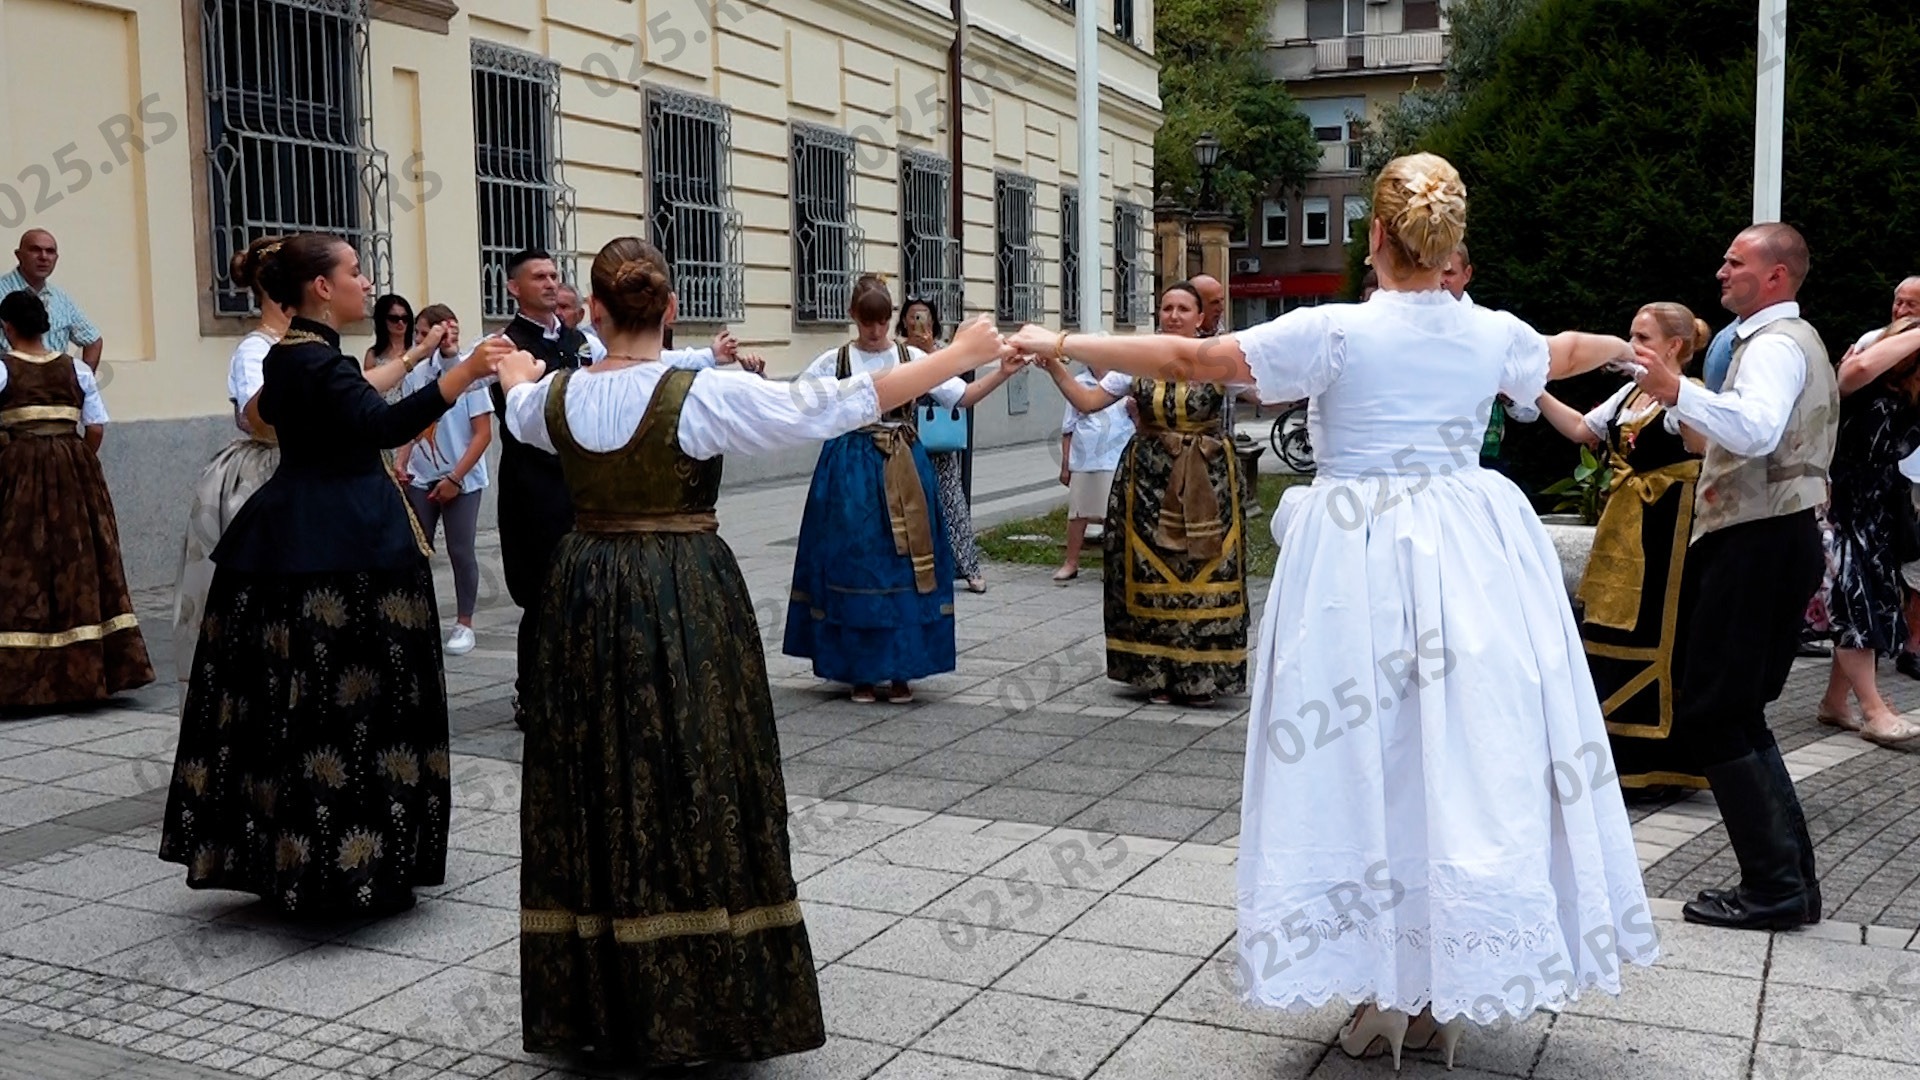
(1206, 154)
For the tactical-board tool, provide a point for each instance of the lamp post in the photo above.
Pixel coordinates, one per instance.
(1206, 154)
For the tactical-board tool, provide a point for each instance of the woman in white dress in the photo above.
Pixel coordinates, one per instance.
(234, 473)
(1430, 820)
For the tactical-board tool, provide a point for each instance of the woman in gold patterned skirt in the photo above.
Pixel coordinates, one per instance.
(1629, 597)
(312, 769)
(659, 921)
(1175, 546)
(67, 630)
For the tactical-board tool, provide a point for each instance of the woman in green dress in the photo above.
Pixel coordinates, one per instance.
(1629, 598)
(1175, 543)
(659, 924)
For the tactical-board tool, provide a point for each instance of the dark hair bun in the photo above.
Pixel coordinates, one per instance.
(282, 269)
(632, 281)
(25, 312)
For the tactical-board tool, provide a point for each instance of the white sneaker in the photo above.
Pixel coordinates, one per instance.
(460, 642)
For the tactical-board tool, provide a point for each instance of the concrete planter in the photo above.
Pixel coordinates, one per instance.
(1573, 542)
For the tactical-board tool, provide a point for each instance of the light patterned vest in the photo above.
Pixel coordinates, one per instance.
(1735, 489)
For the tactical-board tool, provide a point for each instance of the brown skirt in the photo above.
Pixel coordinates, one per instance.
(67, 629)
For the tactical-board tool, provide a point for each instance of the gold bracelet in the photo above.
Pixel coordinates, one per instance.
(1060, 346)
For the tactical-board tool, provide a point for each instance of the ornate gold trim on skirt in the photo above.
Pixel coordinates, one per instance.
(27, 639)
(659, 927)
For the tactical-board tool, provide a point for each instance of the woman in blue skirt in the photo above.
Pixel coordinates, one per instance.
(872, 598)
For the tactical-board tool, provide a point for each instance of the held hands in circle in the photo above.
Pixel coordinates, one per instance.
(1660, 382)
(517, 366)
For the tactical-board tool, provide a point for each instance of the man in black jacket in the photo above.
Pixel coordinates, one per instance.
(535, 509)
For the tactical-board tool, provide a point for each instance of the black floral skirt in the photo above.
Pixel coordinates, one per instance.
(659, 920)
(312, 768)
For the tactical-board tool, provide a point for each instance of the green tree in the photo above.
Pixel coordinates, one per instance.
(1607, 147)
(1212, 79)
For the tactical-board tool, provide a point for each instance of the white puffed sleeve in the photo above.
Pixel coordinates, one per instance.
(737, 412)
(92, 410)
(1297, 355)
(527, 413)
(1523, 372)
(1602, 413)
(1117, 383)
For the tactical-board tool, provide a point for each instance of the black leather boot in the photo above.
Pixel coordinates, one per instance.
(1759, 819)
(1783, 784)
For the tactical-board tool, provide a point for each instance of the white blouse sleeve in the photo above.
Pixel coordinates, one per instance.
(92, 409)
(1117, 383)
(1297, 355)
(1602, 413)
(527, 413)
(1523, 374)
(690, 359)
(243, 371)
(729, 412)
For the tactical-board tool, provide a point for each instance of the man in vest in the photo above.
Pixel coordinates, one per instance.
(1754, 562)
(535, 509)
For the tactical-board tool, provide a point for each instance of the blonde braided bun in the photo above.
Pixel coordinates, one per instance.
(631, 280)
(1422, 203)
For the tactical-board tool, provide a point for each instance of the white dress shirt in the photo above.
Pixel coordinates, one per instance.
(1099, 438)
(1748, 417)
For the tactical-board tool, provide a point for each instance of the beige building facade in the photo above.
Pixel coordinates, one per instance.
(1344, 62)
(774, 150)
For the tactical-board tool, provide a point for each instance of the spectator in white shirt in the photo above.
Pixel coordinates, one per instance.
(1090, 449)
(445, 469)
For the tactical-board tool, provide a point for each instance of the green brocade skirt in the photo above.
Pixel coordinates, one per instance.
(659, 919)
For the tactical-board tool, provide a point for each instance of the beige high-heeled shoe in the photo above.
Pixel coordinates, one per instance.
(1357, 1039)
(1424, 1029)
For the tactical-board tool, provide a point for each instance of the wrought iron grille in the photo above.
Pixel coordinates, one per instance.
(290, 133)
(826, 242)
(1018, 286)
(1129, 308)
(929, 254)
(1069, 256)
(693, 222)
(523, 202)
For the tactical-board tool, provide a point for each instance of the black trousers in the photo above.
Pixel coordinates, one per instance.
(1742, 607)
(535, 512)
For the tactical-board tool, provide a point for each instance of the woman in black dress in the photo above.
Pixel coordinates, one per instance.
(312, 768)
(1629, 597)
(1871, 513)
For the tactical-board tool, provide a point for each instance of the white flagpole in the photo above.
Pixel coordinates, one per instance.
(1086, 21)
(1769, 111)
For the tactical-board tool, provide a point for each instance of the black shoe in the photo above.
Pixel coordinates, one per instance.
(1759, 817)
(1907, 664)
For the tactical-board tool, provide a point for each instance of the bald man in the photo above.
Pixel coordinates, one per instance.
(1213, 304)
(1754, 562)
(36, 257)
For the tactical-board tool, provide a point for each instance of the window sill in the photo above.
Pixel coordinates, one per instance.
(433, 16)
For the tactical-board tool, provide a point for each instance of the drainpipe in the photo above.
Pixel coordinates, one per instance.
(957, 213)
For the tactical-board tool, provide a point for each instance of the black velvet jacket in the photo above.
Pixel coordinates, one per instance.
(532, 488)
(331, 506)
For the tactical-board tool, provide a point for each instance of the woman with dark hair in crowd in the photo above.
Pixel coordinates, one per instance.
(920, 328)
(67, 629)
(1175, 541)
(1630, 594)
(659, 924)
(236, 472)
(393, 335)
(872, 599)
(312, 767)
(1871, 513)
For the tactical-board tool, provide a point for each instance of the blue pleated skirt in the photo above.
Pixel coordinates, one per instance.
(854, 609)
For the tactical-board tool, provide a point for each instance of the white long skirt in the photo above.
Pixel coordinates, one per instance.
(225, 485)
(1431, 816)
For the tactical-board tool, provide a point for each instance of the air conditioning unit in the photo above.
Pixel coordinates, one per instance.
(1246, 266)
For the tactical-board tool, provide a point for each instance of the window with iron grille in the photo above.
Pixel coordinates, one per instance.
(289, 133)
(1123, 19)
(1018, 287)
(516, 157)
(826, 242)
(1129, 309)
(929, 254)
(1069, 256)
(693, 222)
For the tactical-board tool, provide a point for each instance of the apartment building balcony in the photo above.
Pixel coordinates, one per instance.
(1411, 53)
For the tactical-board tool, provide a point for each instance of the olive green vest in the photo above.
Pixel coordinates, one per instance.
(650, 475)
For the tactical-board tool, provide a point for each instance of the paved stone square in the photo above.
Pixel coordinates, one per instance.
(1028, 872)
